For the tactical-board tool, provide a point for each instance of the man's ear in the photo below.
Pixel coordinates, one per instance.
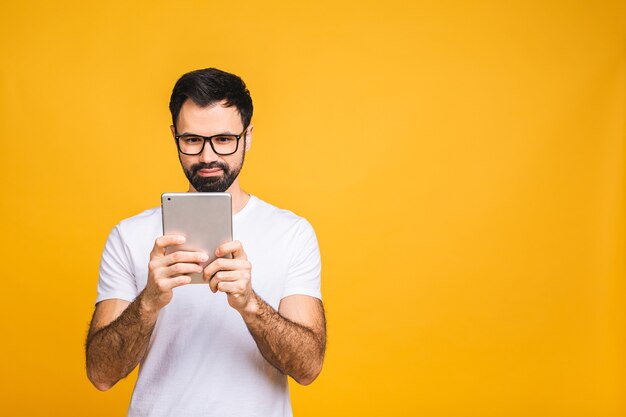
(249, 137)
(173, 129)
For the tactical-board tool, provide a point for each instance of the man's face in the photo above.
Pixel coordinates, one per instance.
(207, 171)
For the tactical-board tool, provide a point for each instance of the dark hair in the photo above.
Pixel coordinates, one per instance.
(209, 86)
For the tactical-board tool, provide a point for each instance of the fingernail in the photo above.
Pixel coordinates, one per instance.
(204, 257)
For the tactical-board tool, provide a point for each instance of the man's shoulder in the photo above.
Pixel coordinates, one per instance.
(276, 214)
(142, 222)
(275, 220)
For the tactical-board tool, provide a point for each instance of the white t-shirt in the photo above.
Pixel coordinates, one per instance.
(202, 361)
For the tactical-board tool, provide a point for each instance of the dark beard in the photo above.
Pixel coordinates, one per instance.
(213, 184)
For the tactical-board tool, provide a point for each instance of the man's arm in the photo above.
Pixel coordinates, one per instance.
(117, 340)
(293, 339)
(120, 331)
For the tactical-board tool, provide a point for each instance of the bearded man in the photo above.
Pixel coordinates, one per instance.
(228, 351)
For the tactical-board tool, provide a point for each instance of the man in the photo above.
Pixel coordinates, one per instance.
(227, 351)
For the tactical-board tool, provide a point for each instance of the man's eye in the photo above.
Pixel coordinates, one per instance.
(192, 139)
(222, 139)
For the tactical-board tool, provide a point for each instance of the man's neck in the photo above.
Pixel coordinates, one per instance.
(239, 199)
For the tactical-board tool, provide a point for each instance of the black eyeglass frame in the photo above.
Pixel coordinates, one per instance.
(209, 139)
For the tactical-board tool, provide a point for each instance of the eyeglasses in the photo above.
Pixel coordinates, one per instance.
(220, 144)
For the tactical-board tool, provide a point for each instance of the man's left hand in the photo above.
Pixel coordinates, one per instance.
(231, 276)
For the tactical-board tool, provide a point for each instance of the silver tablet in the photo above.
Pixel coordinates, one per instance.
(205, 219)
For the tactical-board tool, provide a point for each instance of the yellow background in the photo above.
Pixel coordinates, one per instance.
(461, 162)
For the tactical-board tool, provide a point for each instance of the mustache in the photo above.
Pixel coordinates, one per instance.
(211, 165)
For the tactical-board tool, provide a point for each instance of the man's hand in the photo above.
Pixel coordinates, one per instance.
(294, 343)
(120, 332)
(232, 276)
(166, 272)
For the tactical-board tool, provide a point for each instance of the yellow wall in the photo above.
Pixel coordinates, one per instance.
(462, 163)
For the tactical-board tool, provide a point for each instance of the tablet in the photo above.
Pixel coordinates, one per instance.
(205, 219)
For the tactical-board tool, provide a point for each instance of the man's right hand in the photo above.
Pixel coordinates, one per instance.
(120, 332)
(166, 272)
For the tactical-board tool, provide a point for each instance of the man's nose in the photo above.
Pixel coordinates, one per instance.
(207, 154)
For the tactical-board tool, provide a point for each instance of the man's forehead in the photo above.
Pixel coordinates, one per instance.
(208, 120)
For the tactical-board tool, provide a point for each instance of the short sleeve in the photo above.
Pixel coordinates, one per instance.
(116, 278)
(304, 273)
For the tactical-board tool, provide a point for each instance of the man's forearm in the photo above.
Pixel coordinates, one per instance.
(293, 349)
(113, 351)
